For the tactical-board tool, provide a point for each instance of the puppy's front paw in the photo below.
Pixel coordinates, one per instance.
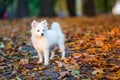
(46, 63)
(39, 62)
(52, 57)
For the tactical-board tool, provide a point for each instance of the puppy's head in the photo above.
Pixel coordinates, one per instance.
(39, 29)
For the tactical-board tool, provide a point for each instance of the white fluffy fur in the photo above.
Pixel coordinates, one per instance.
(45, 41)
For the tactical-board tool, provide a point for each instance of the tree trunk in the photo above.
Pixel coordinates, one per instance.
(106, 6)
(47, 8)
(88, 8)
(71, 7)
(22, 9)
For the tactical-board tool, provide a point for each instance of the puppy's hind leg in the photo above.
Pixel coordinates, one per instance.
(52, 54)
(62, 48)
(53, 51)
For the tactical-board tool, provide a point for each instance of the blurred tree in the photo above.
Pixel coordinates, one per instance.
(61, 8)
(34, 7)
(11, 10)
(108, 4)
(104, 6)
(3, 8)
(71, 7)
(89, 8)
(22, 9)
(47, 8)
(79, 7)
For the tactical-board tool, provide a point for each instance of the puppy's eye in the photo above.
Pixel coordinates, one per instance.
(43, 30)
(38, 30)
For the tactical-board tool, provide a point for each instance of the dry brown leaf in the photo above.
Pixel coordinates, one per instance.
(98, 71)
(24, 61)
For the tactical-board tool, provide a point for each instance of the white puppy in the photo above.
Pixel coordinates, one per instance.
(45, 41)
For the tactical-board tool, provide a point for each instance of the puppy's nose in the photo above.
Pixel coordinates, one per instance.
(42, 34)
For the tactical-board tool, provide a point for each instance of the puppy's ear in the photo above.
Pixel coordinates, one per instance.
(34, 23)
(44, 22)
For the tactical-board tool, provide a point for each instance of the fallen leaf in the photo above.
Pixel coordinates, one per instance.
(24, 61)
(25, 72)
(63, 74)
(98, 71)
(18, 78)
(60, 64)
(58, 69)
(76, 66)
(39, 68)
(75, 73)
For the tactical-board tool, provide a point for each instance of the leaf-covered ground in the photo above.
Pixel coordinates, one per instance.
(92, 47)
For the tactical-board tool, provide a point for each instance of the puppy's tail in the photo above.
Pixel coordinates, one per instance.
(56, 26)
